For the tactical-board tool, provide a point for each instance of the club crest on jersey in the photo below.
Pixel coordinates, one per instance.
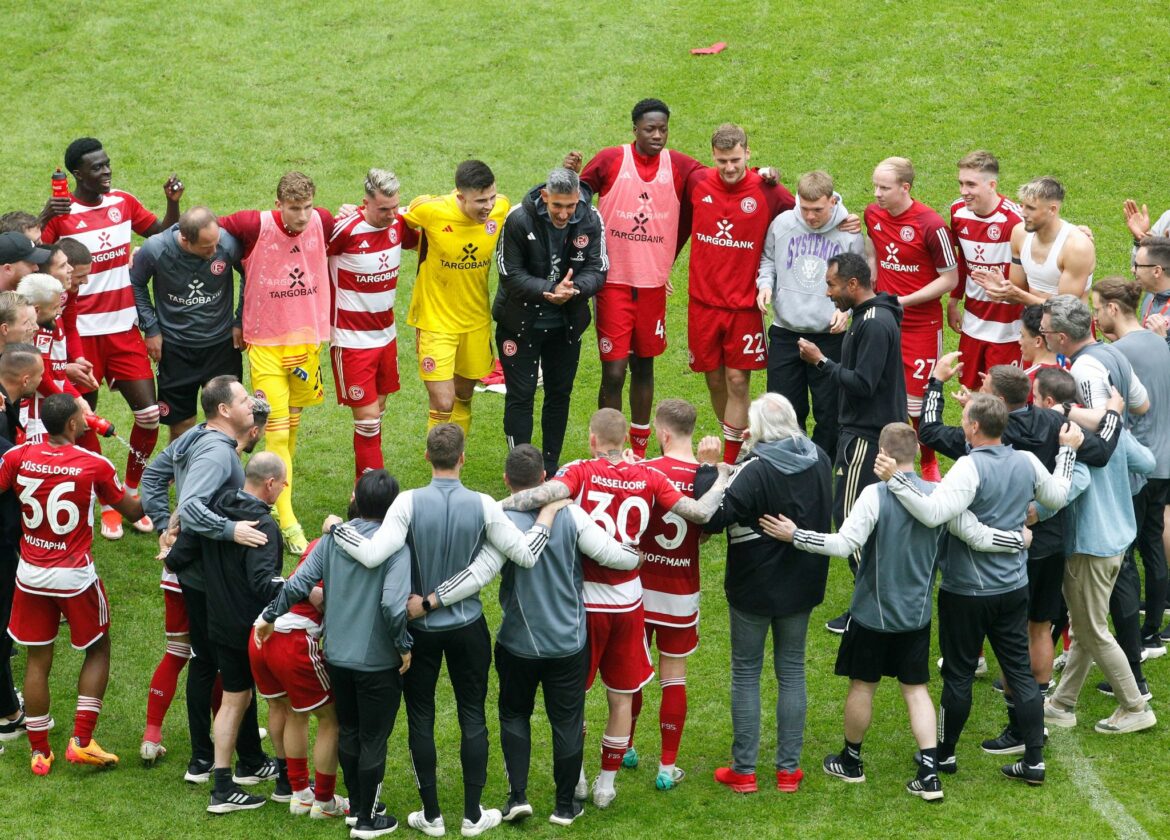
(907, 233)
(490, 226)
(606, 345)
(218, 267)
(357, 392)
(581, 241)
(994, 232)
(428, 364)
(163, 409)
(748, 205)
(393, 235)
(260, 395)
(509, 348)
(114, 215)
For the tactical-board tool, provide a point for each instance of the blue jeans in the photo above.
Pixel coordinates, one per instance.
(748, 634)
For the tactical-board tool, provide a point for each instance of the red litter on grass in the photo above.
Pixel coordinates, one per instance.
(711, 50)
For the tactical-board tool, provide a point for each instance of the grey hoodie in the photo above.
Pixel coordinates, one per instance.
(794, 264)
(201, 462)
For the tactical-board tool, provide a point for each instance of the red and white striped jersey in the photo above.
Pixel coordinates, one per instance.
(363, 267)
(56, 486)
(986, 242)
(51, 342)
(302, 615)
(618, 497)
(670, 574)
(105, 304)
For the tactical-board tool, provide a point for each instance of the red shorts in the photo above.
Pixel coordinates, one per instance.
(175, 614)
(291, 664)
(732, 338)
(673, 641)
(118, 356)
(361, 376)
(617, 648)
(37, 618)
(631, 320)
(981, 356)
(921, 347)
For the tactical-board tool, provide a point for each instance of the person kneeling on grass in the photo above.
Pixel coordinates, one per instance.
(888, 633)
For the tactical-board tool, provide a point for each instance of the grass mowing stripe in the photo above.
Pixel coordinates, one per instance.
(1093, 789)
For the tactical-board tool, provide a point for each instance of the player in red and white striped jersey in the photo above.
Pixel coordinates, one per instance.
(46, 293)
(670, 585)
(103, 219)
(365, 252)
(982, 222)
(56, 482)
(911, 255)
(618, 495)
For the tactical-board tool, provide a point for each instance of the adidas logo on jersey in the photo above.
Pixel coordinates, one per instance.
(532, 236)
(963, 232)
(81, 225)
(296, 249)
(448, 229)
(708, 200)
(877, 226)
(364, 244)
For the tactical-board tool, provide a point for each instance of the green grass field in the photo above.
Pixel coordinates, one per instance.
(231, 95)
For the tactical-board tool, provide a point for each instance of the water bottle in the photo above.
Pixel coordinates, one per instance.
(100, 425)
(60, 184)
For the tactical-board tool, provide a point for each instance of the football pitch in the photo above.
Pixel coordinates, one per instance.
(231, 95)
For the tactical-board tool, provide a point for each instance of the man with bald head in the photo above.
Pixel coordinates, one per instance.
(189, 328)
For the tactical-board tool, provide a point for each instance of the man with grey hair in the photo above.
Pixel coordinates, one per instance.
(188, 325)
(1050, 256)
(551, 260)
(365, 253)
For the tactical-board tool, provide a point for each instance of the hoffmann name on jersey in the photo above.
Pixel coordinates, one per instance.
(619, 498)
(670, 573)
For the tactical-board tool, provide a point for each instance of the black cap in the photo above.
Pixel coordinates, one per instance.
(16, 247)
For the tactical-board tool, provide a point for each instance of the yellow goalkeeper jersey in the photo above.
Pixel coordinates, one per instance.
(455, 253)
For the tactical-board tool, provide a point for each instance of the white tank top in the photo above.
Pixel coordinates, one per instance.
(1045, 277)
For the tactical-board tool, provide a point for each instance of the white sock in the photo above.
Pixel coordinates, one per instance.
(605, 779)
(665, 768)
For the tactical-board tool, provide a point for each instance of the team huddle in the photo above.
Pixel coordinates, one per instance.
(1060, 477)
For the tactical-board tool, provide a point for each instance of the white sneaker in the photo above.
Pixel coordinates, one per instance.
(336, 807)
(301, 802)
(981, 667)
(151, 752)
(1056, 716)
(602, 797)
(433, 828)
(489, 818)
(1123, 721)
(1059, 662)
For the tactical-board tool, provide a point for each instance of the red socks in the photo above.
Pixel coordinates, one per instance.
(639, 438)
(613, 749)
(325, 786)
(367, 446)
(672, 716)
(298, 772)
(88, 709)
(732, 442)
(143, 437)
(162, 688)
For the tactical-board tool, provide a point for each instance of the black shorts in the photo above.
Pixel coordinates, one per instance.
(1045, 578)
(868, 655)
(183, 370)
(234, 668)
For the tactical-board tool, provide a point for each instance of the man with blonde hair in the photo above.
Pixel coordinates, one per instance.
(982, 222)
(365, 253)
(912, 256)
(792, 279)
(285, 305)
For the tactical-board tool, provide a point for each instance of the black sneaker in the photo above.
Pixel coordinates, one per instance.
(997, 684)
(929, 788)
(1165, 634)
(950, 766)
(379, 811)
(376, 826)
(255, 774)
(1143, 688)
(560, 817)
(198, 771)
(835, 765)
(1032, 774)
(517, 809)
(10, 730)
(1008, 743)
(283, 791)
(233, 799)
(837, 625)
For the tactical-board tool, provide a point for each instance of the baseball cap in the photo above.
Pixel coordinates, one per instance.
(15, 247)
